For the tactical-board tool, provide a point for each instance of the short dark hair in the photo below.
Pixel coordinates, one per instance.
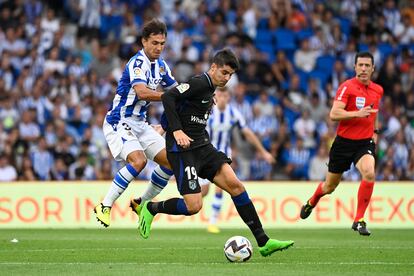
(155, 27)
(364, 55)
(226, 57)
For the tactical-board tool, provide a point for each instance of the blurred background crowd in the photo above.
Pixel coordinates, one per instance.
(60, 62)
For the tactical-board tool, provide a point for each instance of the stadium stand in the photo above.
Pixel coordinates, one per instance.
(60, 62)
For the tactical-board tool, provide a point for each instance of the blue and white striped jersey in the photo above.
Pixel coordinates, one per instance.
(220, 125)
(139, 69)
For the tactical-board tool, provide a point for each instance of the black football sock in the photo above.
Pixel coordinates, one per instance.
(248, 213)
(172, 206)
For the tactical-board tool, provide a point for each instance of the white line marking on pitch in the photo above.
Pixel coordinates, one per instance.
(212, 263)
(185, 248)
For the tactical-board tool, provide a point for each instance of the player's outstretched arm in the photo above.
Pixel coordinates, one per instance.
(146, 94)
(338, 112)
(254, 140)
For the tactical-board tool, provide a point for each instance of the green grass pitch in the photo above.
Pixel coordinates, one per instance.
(195, 252)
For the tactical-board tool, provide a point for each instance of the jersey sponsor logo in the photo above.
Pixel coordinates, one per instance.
(360, 102)
(198, 120)
(183, 87)
(153, 83)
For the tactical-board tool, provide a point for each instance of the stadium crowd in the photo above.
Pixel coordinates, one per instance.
(60, 62)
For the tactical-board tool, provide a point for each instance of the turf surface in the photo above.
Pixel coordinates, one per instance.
(195, 252)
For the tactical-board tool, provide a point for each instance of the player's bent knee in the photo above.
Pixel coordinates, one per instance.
(138, 165)
(369, 176)
(194, 207)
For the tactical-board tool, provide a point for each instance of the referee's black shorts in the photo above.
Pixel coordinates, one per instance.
(344, 152)
(201, 162)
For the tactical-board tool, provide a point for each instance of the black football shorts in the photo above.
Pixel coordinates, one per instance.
(344, 152)
(201, 162)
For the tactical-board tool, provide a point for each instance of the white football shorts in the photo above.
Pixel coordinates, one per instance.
(131, 135)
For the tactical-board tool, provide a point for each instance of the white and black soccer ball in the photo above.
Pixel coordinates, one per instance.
(238, 249)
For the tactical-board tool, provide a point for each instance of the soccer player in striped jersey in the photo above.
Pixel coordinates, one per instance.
(223, 119)
(129, 136)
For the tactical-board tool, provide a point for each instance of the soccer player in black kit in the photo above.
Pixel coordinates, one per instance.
(191, 155)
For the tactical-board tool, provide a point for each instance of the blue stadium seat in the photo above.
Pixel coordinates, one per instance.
(362, 47)
(262, 24)
(303, 79)
(268, 49)
(304, 34)
(325, 63)
(263, 36)
(285, 39)
(321, 75)
(385, 49)
(345, 24)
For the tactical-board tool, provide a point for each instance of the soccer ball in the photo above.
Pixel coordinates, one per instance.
(238, 249)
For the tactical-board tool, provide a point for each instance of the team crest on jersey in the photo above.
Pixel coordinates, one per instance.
(137, 72)
(192, 183)
(360, 102)
(183, 87)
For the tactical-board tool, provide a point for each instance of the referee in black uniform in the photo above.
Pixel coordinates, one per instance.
(191, 155)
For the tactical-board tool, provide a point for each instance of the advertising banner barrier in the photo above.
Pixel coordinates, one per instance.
(70, 205)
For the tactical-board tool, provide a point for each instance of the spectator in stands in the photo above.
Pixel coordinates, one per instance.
(60, 170)
(81, 170)
(264, 104)
(104, 62)
(28, 129)
(400, 156)
(298, 161)
(42, 160)
(388, 74)
(26, 172)
(305, 57)
(282, 69)
(241, 103)
(7, 171)
(410, 167)
(318, 166)
(305, 128)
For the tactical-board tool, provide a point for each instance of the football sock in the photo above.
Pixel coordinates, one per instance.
(248, 213)
(159, 179)
(216, 206)
(172, 206)
(119, 184)
(364, 196)
(317, 195)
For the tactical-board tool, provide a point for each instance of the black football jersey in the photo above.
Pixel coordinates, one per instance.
(187, 108)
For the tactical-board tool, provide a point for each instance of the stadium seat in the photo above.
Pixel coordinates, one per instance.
(285, 39)
(263, 36)
(263, 23)
(325, 63)
(303, 34)
(345, 24)
(385, 49)
(321, 75)
(303, 76)
(362, 47)
(268, 49)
